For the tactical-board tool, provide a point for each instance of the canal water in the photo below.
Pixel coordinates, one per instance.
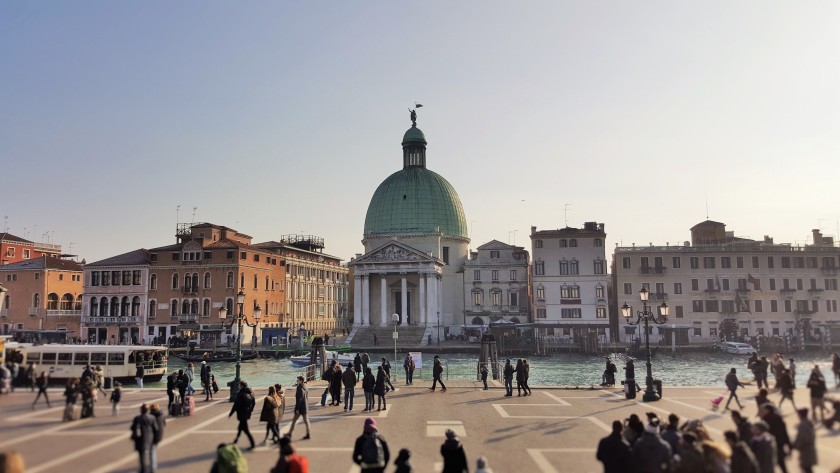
(686, 369)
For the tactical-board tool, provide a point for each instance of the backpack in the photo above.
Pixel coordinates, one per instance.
(372, 452)
(229, 459)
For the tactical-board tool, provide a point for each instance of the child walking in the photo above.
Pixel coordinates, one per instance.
(116, 395)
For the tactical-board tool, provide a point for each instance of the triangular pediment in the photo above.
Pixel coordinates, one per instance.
(395, 252)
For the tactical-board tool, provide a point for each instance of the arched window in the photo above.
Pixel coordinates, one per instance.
(574, 292)
(207, 280)
(153, 282)
(206, 311)
(496, 297)
(175, 281)
(173, 308)
(564, 267)
(598, 267)
(540, 292)
(242, 280)
(94, 306)
(477, 320)
(266, 283)
(195, 282)
(478, 297)
(67, 302)
(78, 304)
(103, 307)
(152, 309)
(114, 306)
(135, 306)
(564, 292)
(255, 281)
(36, 300)
(194, 307)
(185, 307)
(187, 283)
(229, 307)
(125, 307)
(573, 267)
(230, 279)
(573, 243)
(539, 267)
(563, 243)
(599, 291)
(7, 300)
(52, 301)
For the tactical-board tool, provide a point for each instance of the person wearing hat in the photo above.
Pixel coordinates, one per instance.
(437, 370)
(763, 446)
(371, 450)
(402, 462)
(651, 452)
(805, 442)
(508, 373)
(349, 380)
(290, 461)
(452, 451)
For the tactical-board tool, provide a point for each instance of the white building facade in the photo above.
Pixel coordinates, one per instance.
(496, 284)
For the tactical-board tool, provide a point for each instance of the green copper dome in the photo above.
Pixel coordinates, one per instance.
(415, 199)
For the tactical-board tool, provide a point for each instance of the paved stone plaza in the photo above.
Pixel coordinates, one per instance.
(555, 430)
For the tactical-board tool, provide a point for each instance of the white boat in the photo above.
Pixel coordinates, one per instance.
(341, 358)
(69, 361)
(735, 348)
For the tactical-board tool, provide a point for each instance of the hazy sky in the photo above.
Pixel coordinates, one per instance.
(283, 117)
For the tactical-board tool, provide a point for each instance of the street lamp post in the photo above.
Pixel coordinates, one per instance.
(396, 319)
(647, 316)
(438, 328)
(239, 320)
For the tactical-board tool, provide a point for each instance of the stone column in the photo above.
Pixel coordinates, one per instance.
(383, 299)
(422, 299)
(433, 307)
(404, 290)
(365, 299)
(357, 301)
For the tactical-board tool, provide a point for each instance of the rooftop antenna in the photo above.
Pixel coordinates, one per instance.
(70, 248)
(177, 214)
(5, 223)
(193, 216)
(514, 236)
(34, 232)
(707, 206)
(566, 214)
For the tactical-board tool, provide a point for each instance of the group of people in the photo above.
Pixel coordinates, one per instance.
(87, 389)
(146, 433)
(522, 371)
(181, 381)
(756, 446)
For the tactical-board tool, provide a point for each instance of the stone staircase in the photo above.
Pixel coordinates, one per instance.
(409, 336)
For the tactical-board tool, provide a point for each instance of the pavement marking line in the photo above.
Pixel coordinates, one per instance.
(167, 440)
(35, 413)
(62, 426)
(444, 422)
(542, 462)
(439, 428)
(600, 423)
(149, 402)
(559, 401)
(384, 414)
(88, 432)
(501, 410)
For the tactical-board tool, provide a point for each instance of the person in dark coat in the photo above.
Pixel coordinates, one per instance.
(408, 366)
(348, 378)
(160, 421)
(520, 377)
(742, 460)
(42, 382)
(777, 428)
(88, 391)
(243, 406)
(786, 388)
(763, 446)
(454, 457)
(365, 358)
(437, 371)
(672, 434)
(368, 385)
(301, 407)
(484, 373)
(379, 389)
(335, 385)
(181, 383)
(634, 429)
(508, 374)
(806, 442)
(143, 431)
(171, 383)
(370, 431)
(762, 398)
(402, 462)
(269, 415)
(816, 384)
(357, 366)
(526, 367)
(651, 453)
(732, 384)
(386, 366)
(614, 451)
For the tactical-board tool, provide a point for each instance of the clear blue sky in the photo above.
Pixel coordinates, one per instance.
(283, 117)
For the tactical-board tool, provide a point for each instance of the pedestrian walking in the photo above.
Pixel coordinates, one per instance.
(614, 451)
(143, 429)
(403, 461)
(379, 389)
(281, 400)
(368, 385)
(190, 372)
(792, 370)
(335, 385)
(202, 376)
(348, 378)
(30, 376)
(243, 406)
(160, 421)
(371, 450)
(520, 378)
(742, 459)
(357, 366)
(116, 396)
(816, 384)
(437, 370)
(743, 426)
(365, 358)
(41, 383)
(777, 428)
(171, 384)
(269, 415)
(452, 451)
(88, 393)
(98, 377)
(183, 381)
(732, 384)
(209, 384)
(290, 461)
(508, 374)
(835, 368)
(483, 372)
(786, 388)
(527, 375)
(139, 373)
(386, 366)
(805, 442)
(763, 446)
(408, 366)
(301, 407)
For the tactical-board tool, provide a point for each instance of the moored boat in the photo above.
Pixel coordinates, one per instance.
(340, 358)
(215, 359)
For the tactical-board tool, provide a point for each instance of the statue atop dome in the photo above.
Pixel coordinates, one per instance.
(414, 113)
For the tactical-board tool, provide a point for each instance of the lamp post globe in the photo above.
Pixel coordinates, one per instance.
(644, 318)
(396, 319)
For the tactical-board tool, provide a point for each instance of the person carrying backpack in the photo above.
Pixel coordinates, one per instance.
(371, 450)
(229, 459)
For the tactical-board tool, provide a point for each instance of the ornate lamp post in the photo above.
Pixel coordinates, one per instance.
(239, 320)
(646, 316)
(438, 328)
(396, 319)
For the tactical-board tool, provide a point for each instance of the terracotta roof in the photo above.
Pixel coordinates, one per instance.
(41, 263)
(173, 247)
(135, 257)
(9, 237)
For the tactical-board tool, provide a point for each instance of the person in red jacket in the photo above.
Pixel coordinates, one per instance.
(290, 461)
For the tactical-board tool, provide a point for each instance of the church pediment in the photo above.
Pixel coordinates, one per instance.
(395, 252)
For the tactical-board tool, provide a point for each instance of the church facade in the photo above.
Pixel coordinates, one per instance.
(416, 243)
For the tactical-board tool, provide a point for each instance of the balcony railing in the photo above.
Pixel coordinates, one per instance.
(815, 291)
(187, 317)
(110, 320)
(652, 270)
(497, 308)
(659, 296)
(189, 290)
(830, 270)
(58, 313)
(34, 311)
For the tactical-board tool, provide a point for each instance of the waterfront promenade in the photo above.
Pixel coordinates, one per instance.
(554, 430)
